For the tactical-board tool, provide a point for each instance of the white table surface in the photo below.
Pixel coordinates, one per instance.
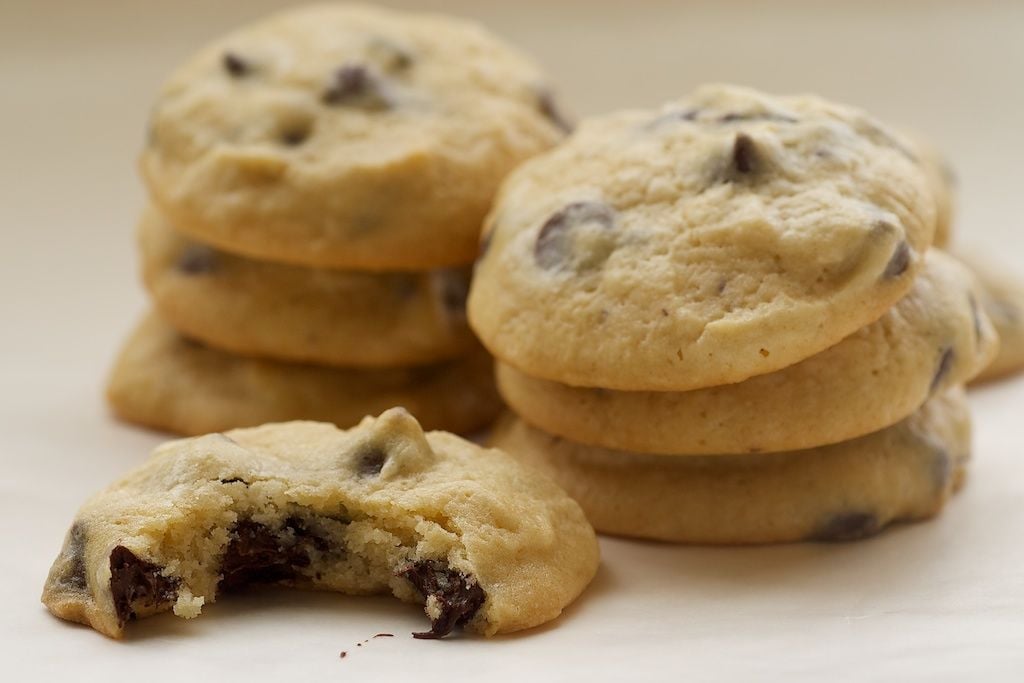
(936, 601)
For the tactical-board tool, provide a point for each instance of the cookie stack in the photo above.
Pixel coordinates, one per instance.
(318, 181)
(720, 322)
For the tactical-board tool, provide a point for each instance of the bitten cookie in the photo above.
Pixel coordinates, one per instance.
(1003, 301)
(382, 508)
(840, 492)
(346, 136)
(726, 235)
(167, 381)
(331, 317)
(933, 338)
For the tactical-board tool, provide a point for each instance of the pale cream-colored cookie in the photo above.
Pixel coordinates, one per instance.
(330, 317)
(942, 181)
(1003, 300)
(933, 338)
(726, 235)
(346, 136)
(382, 508)
(166, 381)
(844, 491)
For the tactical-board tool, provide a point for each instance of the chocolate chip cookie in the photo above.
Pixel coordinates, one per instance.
(346, 136)
(167, 381)
(726, 235)
(935, 337)
(324, 316)
(1003, 301)
(481, 541)
(840, 492)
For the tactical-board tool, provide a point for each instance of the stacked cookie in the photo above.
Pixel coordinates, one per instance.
(318, 182)
(720, 322)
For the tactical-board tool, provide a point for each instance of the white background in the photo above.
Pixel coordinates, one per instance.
(936, 601)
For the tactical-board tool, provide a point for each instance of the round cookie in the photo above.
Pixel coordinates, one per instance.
(844, 491)
(724, 236)
(169, 382)
(942, 181)
(1002, 299)
(933, 338)
(331, 317)
(346, 136)
(382, 508)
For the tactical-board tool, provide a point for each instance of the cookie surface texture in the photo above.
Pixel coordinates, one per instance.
(314, 315)
(166, 381)
(935, 337)
(844, 491)
(724, 236)
(346, 136)
(380, 508)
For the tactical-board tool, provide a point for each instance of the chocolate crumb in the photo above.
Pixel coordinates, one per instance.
(138, 584)
(235, 65)
(343, 654)
(234, 480)
(384, 635)
(458, 596)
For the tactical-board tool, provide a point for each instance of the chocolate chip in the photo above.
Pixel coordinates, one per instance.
(746, 157)
(457, 595)
(235, 65)
(898, 262)
(943, 368)
(137, 584)
(485, 244)
(370, 461)
(453, 290)
(390, 55)
(234, 480)
(197, 259)
(848, 526)
(355, 85)
(552, 112)
(556, 247)
(257, 554)
(74, 577)
(976, 317)
(293, 137)
(733, 117)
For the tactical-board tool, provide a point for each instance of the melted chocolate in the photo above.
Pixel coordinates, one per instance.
(257, 554)
(136, 583)
(459, 596)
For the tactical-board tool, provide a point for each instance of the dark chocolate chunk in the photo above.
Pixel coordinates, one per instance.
(458, 596)
(943, 368)
(453, 290)
(370, 460)
(255, 554)
(295, 136)
(746, 157)
(137, 584)
(74, 577)
(898, 262)
(235, 65)
(554, 246)
(197, 259)
(356, 85)
(733, 117)
(847, 526)
(552, 112)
